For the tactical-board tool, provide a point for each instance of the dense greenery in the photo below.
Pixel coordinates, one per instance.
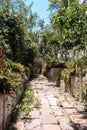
(16, 23)
(72, 25)
(12, 35)
(65, 39)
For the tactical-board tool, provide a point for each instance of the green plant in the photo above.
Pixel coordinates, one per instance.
(59, 103)
(29, 102)
(15, 66)
(66, 74)
(37, 102)
(14, 74)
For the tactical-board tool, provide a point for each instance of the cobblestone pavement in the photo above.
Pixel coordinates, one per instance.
(58, 111)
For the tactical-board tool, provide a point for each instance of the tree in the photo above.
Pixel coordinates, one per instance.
(13, 37)
(59, 4)
(54, 5)
(16, 23)
(23, 11)
(72, 24)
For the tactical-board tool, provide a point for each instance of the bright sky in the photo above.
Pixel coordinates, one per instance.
(41, 6)
(80, 1)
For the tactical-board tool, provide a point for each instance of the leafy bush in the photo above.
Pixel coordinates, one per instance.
(14, 74)
(15, 66)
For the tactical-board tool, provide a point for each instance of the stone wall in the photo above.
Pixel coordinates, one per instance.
(38, 62)
(10, 101)
(77, 86)
(1, 111)
(54, 74)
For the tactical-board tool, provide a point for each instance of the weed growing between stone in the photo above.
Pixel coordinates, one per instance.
(29, 102)
(59, 103)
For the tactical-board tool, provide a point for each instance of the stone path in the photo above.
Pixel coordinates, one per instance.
(58, 111)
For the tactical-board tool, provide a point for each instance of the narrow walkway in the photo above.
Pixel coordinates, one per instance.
(58, 111)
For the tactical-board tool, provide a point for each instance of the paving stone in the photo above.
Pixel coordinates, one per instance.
(46, 111)
(51, 127)
(42, 95)
(36, 94)
(70, 100)
(68, 97)
(48, 119)
(61, 99)
(34, 124)
(58, 112)
(43, 100)
(67, 105)
(44, 103)
(70, 111)
(79, 107)
(45, 106)
(19, 125)
(49, 94)
(78, 118)
(54, 107)
(64, 123)
(53, 101)
(35, 113)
